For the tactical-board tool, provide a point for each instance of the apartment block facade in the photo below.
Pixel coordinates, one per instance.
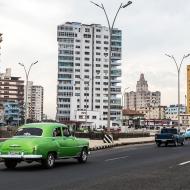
(12, 94)
(172, 111)
(35, 102)
(83, 66)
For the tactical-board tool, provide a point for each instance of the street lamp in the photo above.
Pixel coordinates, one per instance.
(110, 35)
(27, 77)
(178, 77)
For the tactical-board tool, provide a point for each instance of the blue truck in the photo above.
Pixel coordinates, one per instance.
(169, 136)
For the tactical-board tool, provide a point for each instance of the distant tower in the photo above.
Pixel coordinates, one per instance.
(142, 84)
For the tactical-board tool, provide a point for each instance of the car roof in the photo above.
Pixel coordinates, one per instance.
(43, 125)
(46, 127)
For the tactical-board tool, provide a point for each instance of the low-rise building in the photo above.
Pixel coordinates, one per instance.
(132, 118)
(185, 120)
(153, 112)
(172, 111)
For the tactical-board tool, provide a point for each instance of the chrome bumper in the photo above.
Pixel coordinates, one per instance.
(20, 156)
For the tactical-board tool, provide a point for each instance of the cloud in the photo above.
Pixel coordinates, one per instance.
(150, 29)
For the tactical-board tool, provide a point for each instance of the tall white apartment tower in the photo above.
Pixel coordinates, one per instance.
(82, 90)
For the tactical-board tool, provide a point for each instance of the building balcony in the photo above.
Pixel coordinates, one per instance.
(116, 72)
(115, 101)
(115, 63)
(115, 80)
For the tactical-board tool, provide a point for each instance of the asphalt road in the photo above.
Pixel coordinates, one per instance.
(140, 167)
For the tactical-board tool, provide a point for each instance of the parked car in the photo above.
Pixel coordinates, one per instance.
(169, 135)
(186, 134)
(43, 142)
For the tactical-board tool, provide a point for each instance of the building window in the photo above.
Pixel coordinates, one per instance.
(98, 59)
(87, 36)
(87, 29)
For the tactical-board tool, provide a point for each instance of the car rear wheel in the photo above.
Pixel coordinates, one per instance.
(83, 156)
(49, 162)
(10, 164)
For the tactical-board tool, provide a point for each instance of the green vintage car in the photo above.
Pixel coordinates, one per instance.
(43, 142)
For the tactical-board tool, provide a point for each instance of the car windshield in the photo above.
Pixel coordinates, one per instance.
(173, 131)
(29, 132)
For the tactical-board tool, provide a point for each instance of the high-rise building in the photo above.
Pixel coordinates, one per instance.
(83, 64)
(35, 102)
(188, 89)
(11, 88)
(142, 98)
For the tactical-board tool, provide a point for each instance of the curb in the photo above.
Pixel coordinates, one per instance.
(118, 144)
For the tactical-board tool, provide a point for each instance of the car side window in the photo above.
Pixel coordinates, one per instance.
(57, 132)
(66, 132)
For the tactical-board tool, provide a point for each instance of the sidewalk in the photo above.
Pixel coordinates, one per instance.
(99, 144)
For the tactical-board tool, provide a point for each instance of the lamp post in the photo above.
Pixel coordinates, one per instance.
(178, 66)
(26, 89)
(110, 27)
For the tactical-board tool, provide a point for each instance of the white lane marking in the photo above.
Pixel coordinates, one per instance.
(112, 159)
(183, 163)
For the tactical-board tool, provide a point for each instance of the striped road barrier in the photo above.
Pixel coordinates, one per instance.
(108, 138)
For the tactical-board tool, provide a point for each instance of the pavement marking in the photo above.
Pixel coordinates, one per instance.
(183, 163)
(112, 159)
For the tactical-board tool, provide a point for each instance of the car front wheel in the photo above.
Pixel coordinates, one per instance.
(83, 156)
(10, 164)
(49, 162)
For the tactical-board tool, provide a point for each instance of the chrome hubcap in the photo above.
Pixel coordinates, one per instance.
(84, 155)
(51, 160)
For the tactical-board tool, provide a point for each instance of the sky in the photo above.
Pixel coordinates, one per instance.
(150, 29)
